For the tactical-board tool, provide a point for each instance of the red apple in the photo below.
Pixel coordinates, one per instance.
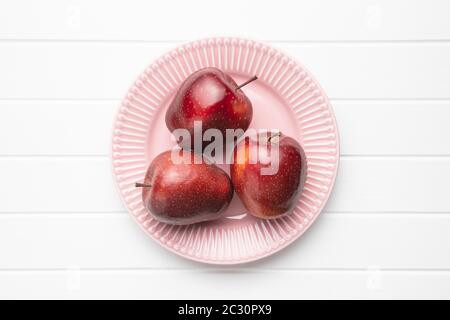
(268, 183)
(212, 97)
(179, 192)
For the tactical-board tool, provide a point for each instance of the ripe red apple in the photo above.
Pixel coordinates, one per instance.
(192, 191)
(268, 183)
(212, 97)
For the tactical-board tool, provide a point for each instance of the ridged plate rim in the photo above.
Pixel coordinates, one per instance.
(277, 62)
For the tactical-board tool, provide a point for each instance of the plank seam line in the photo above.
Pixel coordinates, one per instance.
(180, 41)
(124, 213)
(342, 156)
(231, 269)
(332, 100)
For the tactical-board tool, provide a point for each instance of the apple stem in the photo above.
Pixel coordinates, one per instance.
(142, 185)
(278, 134)
(246, 82)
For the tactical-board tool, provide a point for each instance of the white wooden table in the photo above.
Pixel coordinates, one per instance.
(64, 66)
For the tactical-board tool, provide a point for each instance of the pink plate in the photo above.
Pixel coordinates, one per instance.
(284, 97)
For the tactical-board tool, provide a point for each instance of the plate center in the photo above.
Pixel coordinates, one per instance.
(270, 111)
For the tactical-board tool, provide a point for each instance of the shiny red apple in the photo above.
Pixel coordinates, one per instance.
(185, 189)
(268, 173)
(213, 98)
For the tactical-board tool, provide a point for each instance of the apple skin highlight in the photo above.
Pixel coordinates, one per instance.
(185, 193)
(213, 98)
(268, 196)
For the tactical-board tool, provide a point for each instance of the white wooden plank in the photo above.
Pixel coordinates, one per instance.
(378, 71)
(386, 230)
(181, 20)
(73, 70)
(336, 241)
(73, 284)
(56, 127)
(70, 184)
(369, 184)
(392, 184)
(393, 127)
(106, 70)
(84, 127)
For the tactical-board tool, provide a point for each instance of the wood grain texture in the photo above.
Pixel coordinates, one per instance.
(65, 65)
(113, 241)
(84, 127)
(290, 20)
(182, 284)
(106, 70)
(85, 184)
